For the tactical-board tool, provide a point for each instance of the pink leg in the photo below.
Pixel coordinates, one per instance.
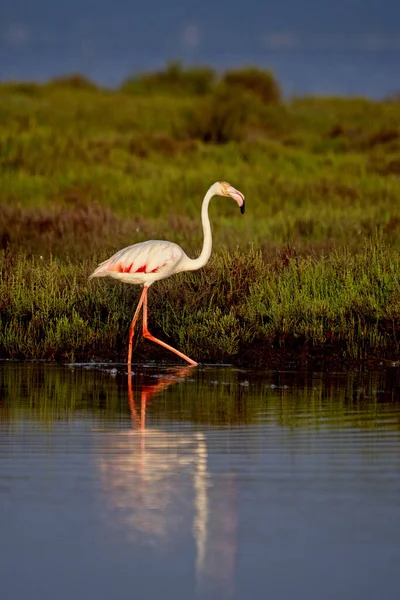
(149, 336)
(132, 327)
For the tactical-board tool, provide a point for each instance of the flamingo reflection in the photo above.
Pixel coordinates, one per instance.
(158, 481)
(171, 377)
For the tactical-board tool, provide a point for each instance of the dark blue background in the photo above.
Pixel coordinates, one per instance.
(345, 47)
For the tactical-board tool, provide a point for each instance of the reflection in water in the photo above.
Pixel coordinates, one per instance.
(149, 474)
(231, 482)
(148, 390)
(209, 396)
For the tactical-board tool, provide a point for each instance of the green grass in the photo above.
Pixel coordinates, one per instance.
(309, 273)
(344, 307)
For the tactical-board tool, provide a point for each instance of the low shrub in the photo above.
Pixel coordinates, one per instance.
(195, 81)
(74, 81)
(262, 84)
(26, 88)
(224, 117)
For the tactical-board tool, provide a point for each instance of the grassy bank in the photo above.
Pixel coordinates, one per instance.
(309, 273)
(343, 308)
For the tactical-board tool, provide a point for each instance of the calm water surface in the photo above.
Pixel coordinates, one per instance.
(211, 482)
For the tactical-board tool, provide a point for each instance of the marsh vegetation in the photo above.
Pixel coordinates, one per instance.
(310, 273)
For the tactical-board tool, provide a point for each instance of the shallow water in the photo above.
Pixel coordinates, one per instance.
(211, 482)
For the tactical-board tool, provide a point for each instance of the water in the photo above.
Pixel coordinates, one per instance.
(211, 482)
(343, 48)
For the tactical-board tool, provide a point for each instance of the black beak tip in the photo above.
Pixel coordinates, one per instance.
(242, 208)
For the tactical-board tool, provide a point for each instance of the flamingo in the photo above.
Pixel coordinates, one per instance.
(147, 262)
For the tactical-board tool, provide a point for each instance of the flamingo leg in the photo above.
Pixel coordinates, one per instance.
(149, 336)
(132, 327)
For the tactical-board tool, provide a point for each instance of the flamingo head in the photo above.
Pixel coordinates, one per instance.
(226, 189)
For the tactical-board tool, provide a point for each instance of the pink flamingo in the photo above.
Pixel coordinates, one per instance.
(150, 261)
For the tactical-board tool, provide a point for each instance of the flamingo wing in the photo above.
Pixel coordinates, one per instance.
(141, 263)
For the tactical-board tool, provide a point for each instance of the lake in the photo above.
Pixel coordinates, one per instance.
(208, 482)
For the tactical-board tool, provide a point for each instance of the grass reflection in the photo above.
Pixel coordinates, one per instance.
(214, 396)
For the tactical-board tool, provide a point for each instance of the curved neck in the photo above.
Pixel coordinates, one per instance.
(205, 254)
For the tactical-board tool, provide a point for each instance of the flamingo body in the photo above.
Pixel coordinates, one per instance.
(147, 262)
(144, 263)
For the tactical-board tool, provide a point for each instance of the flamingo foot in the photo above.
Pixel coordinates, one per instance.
(149, 336)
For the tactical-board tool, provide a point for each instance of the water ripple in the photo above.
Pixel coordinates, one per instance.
(212, 482)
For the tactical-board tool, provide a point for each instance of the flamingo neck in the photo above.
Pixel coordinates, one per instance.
(205, 253)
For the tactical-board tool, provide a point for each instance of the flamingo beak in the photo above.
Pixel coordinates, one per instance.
(236, 195)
